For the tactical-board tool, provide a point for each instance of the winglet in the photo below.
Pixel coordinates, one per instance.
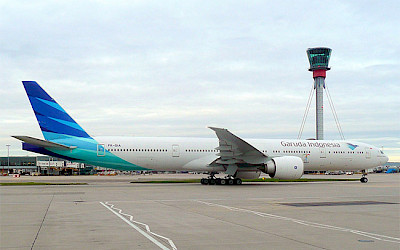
(216, 129)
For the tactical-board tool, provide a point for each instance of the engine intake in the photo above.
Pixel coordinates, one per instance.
(284, 168)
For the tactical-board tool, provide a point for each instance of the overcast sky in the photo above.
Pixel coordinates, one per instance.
(172, 68)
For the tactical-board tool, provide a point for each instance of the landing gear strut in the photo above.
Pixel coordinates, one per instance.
(229, 180)
(363, 178)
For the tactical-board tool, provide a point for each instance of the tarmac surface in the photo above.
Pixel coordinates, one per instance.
(112, 213)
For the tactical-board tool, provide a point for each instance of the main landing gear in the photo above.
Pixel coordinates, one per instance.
(229, 180)
(363, 178)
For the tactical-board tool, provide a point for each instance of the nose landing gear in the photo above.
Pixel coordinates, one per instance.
(363, 178)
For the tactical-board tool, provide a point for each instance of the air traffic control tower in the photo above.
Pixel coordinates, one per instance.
(319, 60)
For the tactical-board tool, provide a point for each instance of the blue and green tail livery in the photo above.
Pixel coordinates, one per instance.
(54, 122)
(65, 138)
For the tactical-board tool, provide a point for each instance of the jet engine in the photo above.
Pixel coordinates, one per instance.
(284, 167)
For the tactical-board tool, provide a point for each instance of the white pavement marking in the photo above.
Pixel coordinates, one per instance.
(311, 224)
(216, 199)
(254, 198)
(152, 239)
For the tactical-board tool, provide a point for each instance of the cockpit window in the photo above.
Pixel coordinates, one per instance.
(381, 151)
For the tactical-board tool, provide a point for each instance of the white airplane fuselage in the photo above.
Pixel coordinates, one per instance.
(195, 154)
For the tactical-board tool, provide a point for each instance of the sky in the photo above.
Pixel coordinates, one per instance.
(173, 68)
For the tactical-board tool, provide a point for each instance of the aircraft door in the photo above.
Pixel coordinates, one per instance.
(101, 151)
(175, 150)
(367, 153)
(322, 152)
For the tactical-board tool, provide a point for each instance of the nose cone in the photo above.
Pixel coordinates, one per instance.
(386, 159)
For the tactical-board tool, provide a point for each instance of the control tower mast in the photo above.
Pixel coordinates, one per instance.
(319, 60)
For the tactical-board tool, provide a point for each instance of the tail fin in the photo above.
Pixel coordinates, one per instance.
(54, 122)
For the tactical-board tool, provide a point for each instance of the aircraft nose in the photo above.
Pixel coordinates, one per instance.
(384, 159)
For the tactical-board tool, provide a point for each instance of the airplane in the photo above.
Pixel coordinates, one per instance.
(237, 158)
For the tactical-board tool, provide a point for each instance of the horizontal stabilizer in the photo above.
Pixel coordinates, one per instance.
(43, 143)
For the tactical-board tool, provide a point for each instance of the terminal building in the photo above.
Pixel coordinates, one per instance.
(43, 165)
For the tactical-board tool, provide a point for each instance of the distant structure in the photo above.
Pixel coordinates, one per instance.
(319, 60)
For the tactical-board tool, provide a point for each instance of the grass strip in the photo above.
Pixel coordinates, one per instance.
(40, 183)
(168, 181)
(244, 180)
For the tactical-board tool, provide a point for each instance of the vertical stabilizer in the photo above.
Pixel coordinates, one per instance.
(53, 120)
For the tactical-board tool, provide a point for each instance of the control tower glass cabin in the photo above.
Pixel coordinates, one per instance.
(319, 58)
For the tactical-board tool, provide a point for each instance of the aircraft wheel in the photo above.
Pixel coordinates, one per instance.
(218, 181)
(364, 179)
(238, 181)
(205, 181)
(212, 181)
(231, 182)
(223, 181)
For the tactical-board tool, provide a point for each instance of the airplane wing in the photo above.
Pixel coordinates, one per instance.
(234, 150)
(42, 143)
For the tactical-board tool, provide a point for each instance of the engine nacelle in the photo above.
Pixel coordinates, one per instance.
(248, 175)
(285, 168)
